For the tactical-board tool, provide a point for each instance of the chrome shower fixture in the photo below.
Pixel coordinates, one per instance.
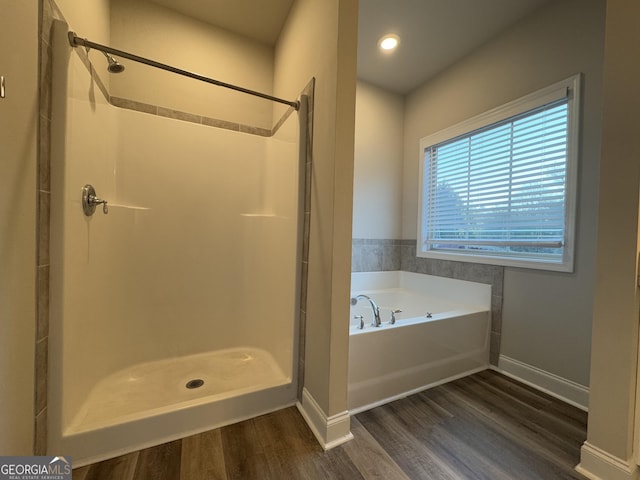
(114, 66)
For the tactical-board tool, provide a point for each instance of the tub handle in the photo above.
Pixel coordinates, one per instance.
(392, 321)
(361, 323)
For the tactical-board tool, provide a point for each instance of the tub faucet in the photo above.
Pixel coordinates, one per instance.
(375, 322)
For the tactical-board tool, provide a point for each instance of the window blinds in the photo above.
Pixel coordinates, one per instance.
(500, 188)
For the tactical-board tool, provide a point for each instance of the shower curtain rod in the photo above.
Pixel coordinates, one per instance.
(76, 41)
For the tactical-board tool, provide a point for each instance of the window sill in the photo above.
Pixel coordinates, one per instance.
(566, 267)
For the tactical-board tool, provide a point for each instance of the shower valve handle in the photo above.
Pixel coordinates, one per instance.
(90, 201)
(93, 200)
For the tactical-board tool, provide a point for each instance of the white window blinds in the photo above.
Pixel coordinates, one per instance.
(501, 190)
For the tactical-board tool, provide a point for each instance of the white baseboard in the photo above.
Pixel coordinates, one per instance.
(597, 464)
(329, 431)
(561, 388)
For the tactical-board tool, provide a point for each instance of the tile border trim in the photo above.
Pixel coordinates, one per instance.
(161, 111)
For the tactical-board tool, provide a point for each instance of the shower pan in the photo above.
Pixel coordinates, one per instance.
(177, 311)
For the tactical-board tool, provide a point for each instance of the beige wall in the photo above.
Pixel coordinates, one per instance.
(319, 40)
(377, 185)
(546, 316)
(88, 18)
(18, 114)
(615, 319)
(155, 32)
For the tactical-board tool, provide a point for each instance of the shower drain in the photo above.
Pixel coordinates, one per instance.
(195, 383)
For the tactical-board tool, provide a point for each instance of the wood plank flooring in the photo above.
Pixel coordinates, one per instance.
(485, 427)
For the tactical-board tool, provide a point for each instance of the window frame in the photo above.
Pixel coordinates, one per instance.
(569, 89)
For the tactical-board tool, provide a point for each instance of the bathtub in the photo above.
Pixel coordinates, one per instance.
(442, 333)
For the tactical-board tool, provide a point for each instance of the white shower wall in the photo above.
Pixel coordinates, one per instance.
(215, 252)
(153, 31)
(82, 337)
(197, 253)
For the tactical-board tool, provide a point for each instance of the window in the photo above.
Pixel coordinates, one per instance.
(500, 188)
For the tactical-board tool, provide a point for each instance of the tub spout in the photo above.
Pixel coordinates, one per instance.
(375, 322)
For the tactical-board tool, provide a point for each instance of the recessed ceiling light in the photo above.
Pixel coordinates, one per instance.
(388, 43)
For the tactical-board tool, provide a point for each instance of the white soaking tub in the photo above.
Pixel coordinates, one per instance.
(442, 333)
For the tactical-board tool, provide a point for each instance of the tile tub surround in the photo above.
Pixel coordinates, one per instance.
(376, 255)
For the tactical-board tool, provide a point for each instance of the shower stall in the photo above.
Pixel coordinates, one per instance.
(174, 303)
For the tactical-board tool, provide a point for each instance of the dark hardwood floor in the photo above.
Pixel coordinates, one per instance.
(485, 426)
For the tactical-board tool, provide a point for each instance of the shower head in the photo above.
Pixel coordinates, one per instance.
(114, 66)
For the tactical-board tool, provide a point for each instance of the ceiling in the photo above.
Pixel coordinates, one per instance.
(260, 20)
(434, 34)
